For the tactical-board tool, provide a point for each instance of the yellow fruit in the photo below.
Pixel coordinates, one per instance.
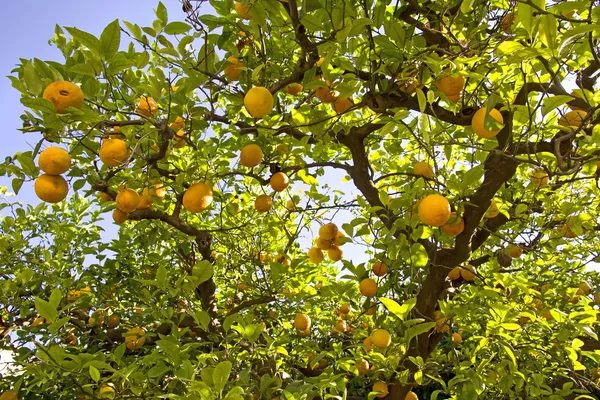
(441, 323)
(539, 178)
(243, 286)
(279, 181)
(380, 269)
(112, 321)
(411, 396)
(328, 231)
(341, 326)
(234, 68)
(454, 274)
(51, 188)
(456, 338)
(454, 226)
(368, 287)
(335, 253)
(320, 61)
(251, 155)
(128, 200)
(434, 210)
(146, 199)
(584, 288)
(339, 239)
(294, 88)
(324, 94)
(381, 338)
(468, 272)
(258, 101)
(63, 95)
(315, 255)
(342, 105)
(198, 197)
(106, 391)
(381, 388)
(478, 122)
(362, 366)
(114, 152)
(408, 82)
(104, 197)
(323, 244)
(424, 169)
(263, 203)
(135, 338)
(119, 216)
(344, 309)
(290, 205)
(243, 11)
(451, 86)
(9, 395)
(179, 123)
(302, 322)
(572, 118)
(493, 211)
(146, 106)
(54, 161)
(513, 251)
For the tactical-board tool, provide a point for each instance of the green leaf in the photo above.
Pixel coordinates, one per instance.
(401, 311)
(161, 277)
(94, 373)
(220, 375)
(466, 6)
(418, 376)
(553, 102)
(511, 326)
(56, 325)
(203, 271)
(418, 255)
(39, 104)
(158, 370)
(32, 79)
(161, 13)
(55, 297)
(177, 28)
(510, 354)
(45, 309)
(16, 184)
(419, 329)
(422, 100)
(83, 69)
(548, 32)
(86, 39)
(508, 48)
(525, 17)
(575, 33)
(110, 39)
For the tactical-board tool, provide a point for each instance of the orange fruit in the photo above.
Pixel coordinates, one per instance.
(456, 338)
(424, 169)
(339, 239)
(315, 255)
(294, 88)
(477, 123)
(258, 101)
(328, 231)
(381, 338)
(112, 321)
(335, 253)
(575, 108)
(198, 197)
(368, 343)
(234, 68)
(371, 310)
(63, 95)
(263, 203)
(408, 82)
(454, 226)
(454, 274)
(584, 289)
(368, 287)
(178, 124)
(119, 216)
(135, 338)
(146, 106)
(468, 272)
(572, 118)
(493, 210)
(323, 244)
(597, 298)
(279, 181)
(324, 93)
(451, 86)
(146, 199)
(128, 200)
(342, 105)
(381, 388)
(362, 366)
(513, 251)
(441, 323)
(434, 210)
(251, 155)
(380, 269)
(290, 205)
(51, 188)
(54, 161)
(243, 286)
(341, 326)
(302, 322)
(345, 309)
(539, 178)
(411, 396)
(243, 11)
(114, 152)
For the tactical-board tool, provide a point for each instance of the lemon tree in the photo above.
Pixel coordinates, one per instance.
(312, 199)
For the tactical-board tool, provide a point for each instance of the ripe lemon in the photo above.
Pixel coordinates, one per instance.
(63, 95)
(128, 200)
(54, 161)
(198, 197)
(294, 88)
(342, 105)
(279, 181)
(328, 231)
(302, 322)
(380, 269)
(572, 118)
(243, 11)
(454, 226)
(258, 101)
(251, 155)
(434, 210)
(451, 86)
(119, 216)
(135, 338)
(146, 106)
(381, 388)
(468, 272)
(335, 253)
(323, 244)
(51, 188)
(478, 122)
(368, 287)
(424, 169)
(114, 152)
(315, 255)
(234, 68)
(263, 203)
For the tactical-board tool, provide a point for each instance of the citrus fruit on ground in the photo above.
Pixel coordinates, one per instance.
(119, 216)
(381, 338)
(493, 210)
(198, 197)
(242, 11)
(279, 181)
(263, 203)
(114, 152)
(342, 105)
(368, 287)
(234, 68)
(146, 106)
(54, 161)
(456, 338)
(478, 122)
(328, 231)
(434, 210)
(539, 178)
(258, 101)
(128, 200)
(302, 322)
(294, 88)
(335, 253)
(51, 188)
(251, 155)
(424, 169)
(468, 272)
(382, 388)
(315, 255)
(451, 86)
(454, 226)
(135, 338)
(64, 94)
(572, 118)
(380, 269)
